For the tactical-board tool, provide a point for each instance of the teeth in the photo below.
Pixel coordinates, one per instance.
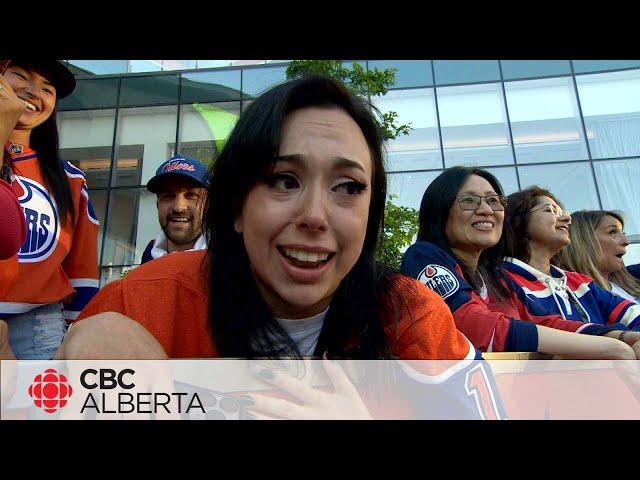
(30, 106)
(483, 225)
(305, 256)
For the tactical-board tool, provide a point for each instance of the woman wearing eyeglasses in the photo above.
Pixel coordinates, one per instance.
(459, 254)
(536, 230)
(598, 243)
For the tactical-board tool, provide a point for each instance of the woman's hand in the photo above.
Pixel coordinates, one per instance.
(630, 338)
(11, 108)
(344, 403)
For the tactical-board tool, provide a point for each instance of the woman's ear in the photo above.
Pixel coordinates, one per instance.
(238, 225)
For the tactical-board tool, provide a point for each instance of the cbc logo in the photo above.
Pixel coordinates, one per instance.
(50, 390)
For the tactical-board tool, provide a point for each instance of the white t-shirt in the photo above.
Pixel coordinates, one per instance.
(304, 332)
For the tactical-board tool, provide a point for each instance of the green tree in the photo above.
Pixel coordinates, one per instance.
(401, 223)
(367, 83)
(400, 226)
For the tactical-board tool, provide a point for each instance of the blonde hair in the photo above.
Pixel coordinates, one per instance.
(584, 253)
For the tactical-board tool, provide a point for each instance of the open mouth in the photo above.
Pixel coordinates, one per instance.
(180, 220)
(30, 106)
(563, 228)
(483, 226)
(305, 258)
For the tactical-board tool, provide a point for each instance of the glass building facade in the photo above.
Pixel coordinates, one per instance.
(571, 126)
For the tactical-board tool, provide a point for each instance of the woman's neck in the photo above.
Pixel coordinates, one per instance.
(540, 261)
(470, 259)
(22, 137)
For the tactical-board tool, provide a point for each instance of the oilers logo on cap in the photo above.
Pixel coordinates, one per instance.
(41, 217)
(439, 279)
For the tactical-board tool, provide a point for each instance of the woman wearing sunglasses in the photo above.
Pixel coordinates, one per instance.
(537, 229)
(459, 253)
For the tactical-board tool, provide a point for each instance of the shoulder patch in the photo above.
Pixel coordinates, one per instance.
(439, 279)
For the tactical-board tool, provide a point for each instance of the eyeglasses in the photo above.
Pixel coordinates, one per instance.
(473, 202)
(547, 207)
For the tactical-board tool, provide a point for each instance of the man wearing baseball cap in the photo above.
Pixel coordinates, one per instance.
(181, 186)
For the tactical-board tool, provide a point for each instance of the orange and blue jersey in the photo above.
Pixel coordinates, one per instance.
(170, 298)
(491, 326)
(572, 295)
(58, 262)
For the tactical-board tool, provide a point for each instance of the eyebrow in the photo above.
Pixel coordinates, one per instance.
(339, 162)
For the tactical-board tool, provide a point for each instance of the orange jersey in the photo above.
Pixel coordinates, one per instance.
(169, 297)
(57, 262)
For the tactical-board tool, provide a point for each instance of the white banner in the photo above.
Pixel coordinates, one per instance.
(227, 389)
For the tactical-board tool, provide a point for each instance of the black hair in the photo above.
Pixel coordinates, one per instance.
(44, 140)
(241, 323)
(436, 204)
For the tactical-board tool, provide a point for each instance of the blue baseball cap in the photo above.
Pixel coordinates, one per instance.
(179, 165)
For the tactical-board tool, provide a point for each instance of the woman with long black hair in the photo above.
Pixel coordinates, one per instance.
(57, 264)
(293, 217)
(459, 255)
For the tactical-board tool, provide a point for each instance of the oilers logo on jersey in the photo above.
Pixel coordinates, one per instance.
(43, 229)
(439, 279)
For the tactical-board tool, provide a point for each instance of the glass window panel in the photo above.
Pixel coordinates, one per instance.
(474, 127)
(618, 187)
(139, 66)
(90, 94)
(109, 274)
(98, 67)
(611, 109)
(99, 201)
(420, 149)
(213, 63)
(449, 72)
(534, 68)
(545, 121)
(410, 187)
(149, 90)
(145, 138)
(210, 86)
(178, 64)
(86, 139)
(257, 80)
(632, 257)
(410, 73)
(571, 183)
(584, 66)
(205, 127)
(507, 178)
(132, 223)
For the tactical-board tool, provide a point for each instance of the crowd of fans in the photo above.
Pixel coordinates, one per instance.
(283, 264)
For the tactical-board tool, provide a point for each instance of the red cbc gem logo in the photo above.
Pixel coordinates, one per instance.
(50, 390)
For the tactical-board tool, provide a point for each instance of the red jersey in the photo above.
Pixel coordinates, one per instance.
(58, 262)
(169, 297)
